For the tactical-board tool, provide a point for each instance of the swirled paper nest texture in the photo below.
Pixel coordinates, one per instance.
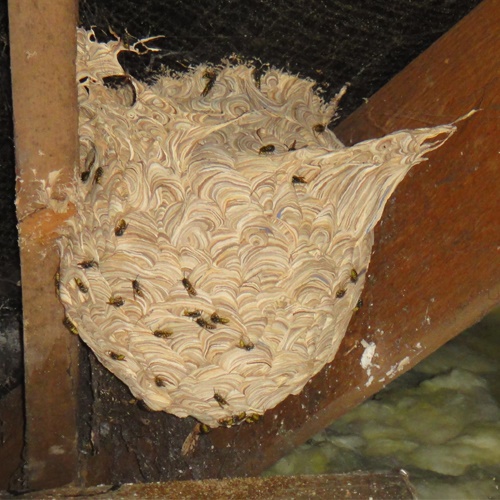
(222, 234)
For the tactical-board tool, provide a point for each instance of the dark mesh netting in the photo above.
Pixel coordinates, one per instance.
(333, 42)
(364, 43)
(10, 291)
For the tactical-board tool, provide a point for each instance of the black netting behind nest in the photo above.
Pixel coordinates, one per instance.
(10, 292)
(333, 42)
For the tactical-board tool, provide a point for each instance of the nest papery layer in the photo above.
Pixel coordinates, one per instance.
(222, 234)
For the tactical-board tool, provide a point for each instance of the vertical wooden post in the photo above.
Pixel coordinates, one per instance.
(43, 53)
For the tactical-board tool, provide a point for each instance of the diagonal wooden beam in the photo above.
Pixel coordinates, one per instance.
(43, 52)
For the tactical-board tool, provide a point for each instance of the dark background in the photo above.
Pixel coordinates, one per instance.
(362, 42)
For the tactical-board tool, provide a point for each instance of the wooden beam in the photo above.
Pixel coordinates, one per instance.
(435, 268)
(43, 52)
(353, 486)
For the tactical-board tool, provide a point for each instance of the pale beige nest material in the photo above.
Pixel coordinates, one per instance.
(223, 234)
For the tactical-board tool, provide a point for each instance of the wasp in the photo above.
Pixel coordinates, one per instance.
(70, 326)
(319, 128)
(248, 346)
(163, 334)
(159, 382)
(87, 264)
(340, 293)
(298, 179)
(359, 304)
(211, 76)
(240, 417)
(354, 275)
(57, 283)
(220, 400)
(215, 318)
(81, 285)
(192, 439)
(189, 287)
(115, 301)
(137, 289)
(120, 227)
(205, 324)
(251, 419)
(267, 149)
(98, 175)
(192, 314)
(232, 420)
(227, 421)
(116, 356)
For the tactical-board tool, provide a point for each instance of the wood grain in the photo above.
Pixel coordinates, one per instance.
(43, 51)
(353, 486)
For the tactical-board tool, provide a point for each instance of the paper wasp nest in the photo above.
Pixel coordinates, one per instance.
(222, 234)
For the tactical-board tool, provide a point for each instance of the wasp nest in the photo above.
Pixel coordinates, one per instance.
(222, 234)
